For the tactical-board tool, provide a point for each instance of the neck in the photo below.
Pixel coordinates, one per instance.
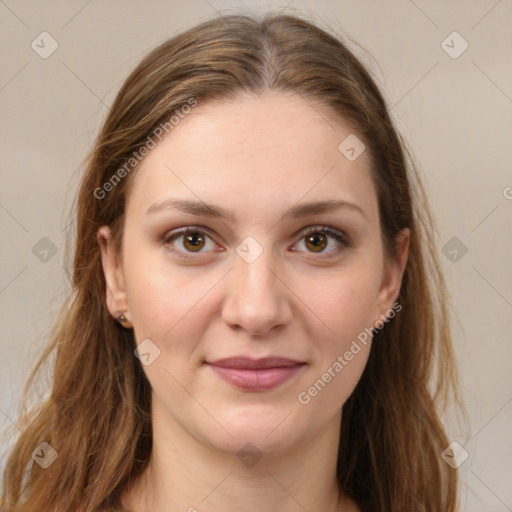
(185, 474)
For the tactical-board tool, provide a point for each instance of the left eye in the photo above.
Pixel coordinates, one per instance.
(316, 240)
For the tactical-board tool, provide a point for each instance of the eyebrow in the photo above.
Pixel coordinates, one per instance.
(209, 210)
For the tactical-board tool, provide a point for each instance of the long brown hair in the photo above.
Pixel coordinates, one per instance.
(97, 413)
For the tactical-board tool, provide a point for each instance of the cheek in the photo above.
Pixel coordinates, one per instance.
(161, 296)
(345, 302)
(342, 338)
(331, 387)
(169, 305)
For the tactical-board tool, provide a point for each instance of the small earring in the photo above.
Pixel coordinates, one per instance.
(121, 318)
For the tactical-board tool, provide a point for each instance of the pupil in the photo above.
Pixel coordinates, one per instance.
(314, 239)
(194, 240)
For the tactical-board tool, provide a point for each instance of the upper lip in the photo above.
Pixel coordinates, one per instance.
(248, 363)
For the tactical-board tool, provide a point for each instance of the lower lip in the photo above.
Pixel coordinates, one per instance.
(256, 380)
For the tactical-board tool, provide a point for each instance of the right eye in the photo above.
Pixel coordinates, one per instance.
(193, 240)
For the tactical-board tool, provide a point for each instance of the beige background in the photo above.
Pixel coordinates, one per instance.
(456, 114)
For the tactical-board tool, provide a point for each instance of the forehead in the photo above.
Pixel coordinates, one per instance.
(253, 153)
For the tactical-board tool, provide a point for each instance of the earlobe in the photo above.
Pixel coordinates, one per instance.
(394, 271)
(113, 272)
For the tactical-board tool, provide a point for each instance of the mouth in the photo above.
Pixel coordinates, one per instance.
(256, 374)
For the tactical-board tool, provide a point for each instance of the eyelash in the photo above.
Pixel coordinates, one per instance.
(339, 236)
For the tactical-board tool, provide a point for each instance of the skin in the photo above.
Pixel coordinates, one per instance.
(256, 156)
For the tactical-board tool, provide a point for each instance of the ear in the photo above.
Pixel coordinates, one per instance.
(393, 273)
(113, 271)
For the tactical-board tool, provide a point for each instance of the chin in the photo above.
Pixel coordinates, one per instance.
(270, 431)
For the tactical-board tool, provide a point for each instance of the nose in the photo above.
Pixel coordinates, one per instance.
(257, 298)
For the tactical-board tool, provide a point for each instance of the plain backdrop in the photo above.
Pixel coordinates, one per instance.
(452, 104)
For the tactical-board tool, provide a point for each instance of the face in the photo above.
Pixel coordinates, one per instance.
(258, 275)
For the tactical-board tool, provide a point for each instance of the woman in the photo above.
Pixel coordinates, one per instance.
(258, 320)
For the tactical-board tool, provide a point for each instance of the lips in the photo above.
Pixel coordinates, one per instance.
(256, 374)
(246, 363)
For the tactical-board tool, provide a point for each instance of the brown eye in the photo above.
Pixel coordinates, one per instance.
(320, 240)
(188, 241)
(194, 242)
(317, 242)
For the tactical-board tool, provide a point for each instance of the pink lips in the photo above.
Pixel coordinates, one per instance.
(256, 374)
